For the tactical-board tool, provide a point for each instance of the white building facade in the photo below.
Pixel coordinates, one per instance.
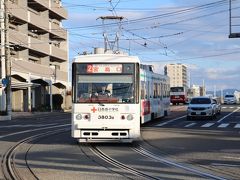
(177, 74)
(38, 55)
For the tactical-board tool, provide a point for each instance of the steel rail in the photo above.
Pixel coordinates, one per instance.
(8, 160)
(158, 158)
(118, 164)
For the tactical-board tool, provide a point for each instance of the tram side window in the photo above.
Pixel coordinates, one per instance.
(164, 90)
(158, 91)
(168, 90)
(147, 92)
(143, 90)
(155, 90)
(166, 95)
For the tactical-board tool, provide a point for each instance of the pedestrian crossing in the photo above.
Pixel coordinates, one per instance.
(202, 125)
(230, 107)
(216, 125)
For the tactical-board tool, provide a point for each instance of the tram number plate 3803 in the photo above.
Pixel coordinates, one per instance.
(105, 117)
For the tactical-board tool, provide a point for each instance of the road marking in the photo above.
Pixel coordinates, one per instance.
(220, 120)
(27, 131)
(231, 157)
(228, 165)
(149, 154)
(190, 125)
(237, 126)
(207, 124)
(162, 124)
(28, 125)
(223, 125)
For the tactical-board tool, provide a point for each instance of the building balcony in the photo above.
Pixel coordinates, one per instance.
(35, 19)
(44, 3)
(32, 68)
(57, 9)
(38, 70)
(58, 53)
(57, 31)
(16, 11)
(18, 38)
(61, 75)
(38, 45)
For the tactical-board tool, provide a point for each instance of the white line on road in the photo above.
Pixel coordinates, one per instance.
(228, 165)
(220, 120)
(231, 157)
(162, 124)
(207, 124)
(223, 125)
(28, 125)
(175, 164)
(190, 125)
(27, 131)
(237, 126)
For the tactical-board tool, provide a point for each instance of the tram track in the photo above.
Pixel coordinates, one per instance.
(172, 158)
(8, 164)
(148, 154)
(188, 168)
(100, 154)
(11, 171)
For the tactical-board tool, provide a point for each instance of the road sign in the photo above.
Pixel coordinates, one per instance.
(5, 82)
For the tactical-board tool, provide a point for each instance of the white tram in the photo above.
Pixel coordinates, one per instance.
(112, 96)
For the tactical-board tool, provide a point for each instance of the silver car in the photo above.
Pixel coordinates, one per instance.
(230, 99)
(201, 107)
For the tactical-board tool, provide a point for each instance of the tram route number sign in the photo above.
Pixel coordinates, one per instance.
(104, 68)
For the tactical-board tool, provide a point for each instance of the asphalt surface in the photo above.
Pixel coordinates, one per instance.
(170, 148)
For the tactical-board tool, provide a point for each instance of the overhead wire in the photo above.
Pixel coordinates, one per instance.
(164, 15)
(219, 2)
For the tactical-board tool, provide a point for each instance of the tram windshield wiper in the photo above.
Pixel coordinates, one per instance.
(100, 103)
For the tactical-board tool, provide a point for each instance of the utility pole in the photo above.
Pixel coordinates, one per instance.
(5, 60)
(8, 63)
(3, 73)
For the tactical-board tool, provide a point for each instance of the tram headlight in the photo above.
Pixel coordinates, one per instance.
(79, 116)
(122, 117)
(129, 117)
(86, 116)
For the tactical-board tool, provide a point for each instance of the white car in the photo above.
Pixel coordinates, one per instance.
(230, 99)
(218, 106)
(201, 107)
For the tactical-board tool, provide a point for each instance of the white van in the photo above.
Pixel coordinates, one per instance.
(230, 99)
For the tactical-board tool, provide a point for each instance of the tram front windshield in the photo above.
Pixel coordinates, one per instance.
(105, 89)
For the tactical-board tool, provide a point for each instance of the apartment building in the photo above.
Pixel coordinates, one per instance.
(177, 74)
(38, 54)
(197, 90)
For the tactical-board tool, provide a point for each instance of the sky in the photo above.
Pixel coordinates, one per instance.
(194, 33)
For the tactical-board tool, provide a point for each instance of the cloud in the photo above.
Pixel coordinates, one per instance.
(219, 77)
(202, 43)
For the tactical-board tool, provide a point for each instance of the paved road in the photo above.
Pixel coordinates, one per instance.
(229, 119)
(170, 148)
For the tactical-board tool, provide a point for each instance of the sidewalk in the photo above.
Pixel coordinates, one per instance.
(26, 115)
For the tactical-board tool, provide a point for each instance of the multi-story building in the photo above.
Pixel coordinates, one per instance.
(177, 74)
(196, 90)
(38, 54)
